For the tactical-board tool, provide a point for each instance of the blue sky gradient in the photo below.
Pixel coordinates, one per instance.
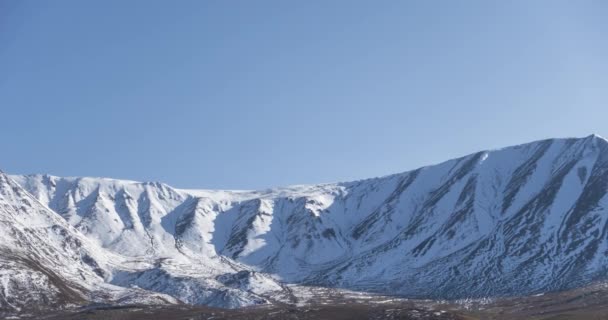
(254, 94)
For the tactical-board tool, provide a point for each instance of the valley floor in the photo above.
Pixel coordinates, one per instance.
(585, 303)
(329, 312)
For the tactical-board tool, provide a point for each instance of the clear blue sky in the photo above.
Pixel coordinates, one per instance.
(254, 94)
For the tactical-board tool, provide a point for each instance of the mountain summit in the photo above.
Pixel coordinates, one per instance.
(516, 221)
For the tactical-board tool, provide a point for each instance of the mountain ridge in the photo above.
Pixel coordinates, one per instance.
(518, 220)
(590, 136)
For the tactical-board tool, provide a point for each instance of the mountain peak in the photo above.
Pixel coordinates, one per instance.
(595, 136)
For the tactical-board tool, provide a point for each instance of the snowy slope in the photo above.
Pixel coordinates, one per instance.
(519, 220)
(44, 260)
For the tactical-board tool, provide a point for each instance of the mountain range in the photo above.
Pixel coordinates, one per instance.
(517, 221)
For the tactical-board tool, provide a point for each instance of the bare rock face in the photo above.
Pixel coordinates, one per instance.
(516, 221)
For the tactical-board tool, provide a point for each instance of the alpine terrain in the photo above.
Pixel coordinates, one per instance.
(519, 221)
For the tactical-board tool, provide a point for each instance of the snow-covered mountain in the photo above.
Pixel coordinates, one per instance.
(45, 261)
(515, 221)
